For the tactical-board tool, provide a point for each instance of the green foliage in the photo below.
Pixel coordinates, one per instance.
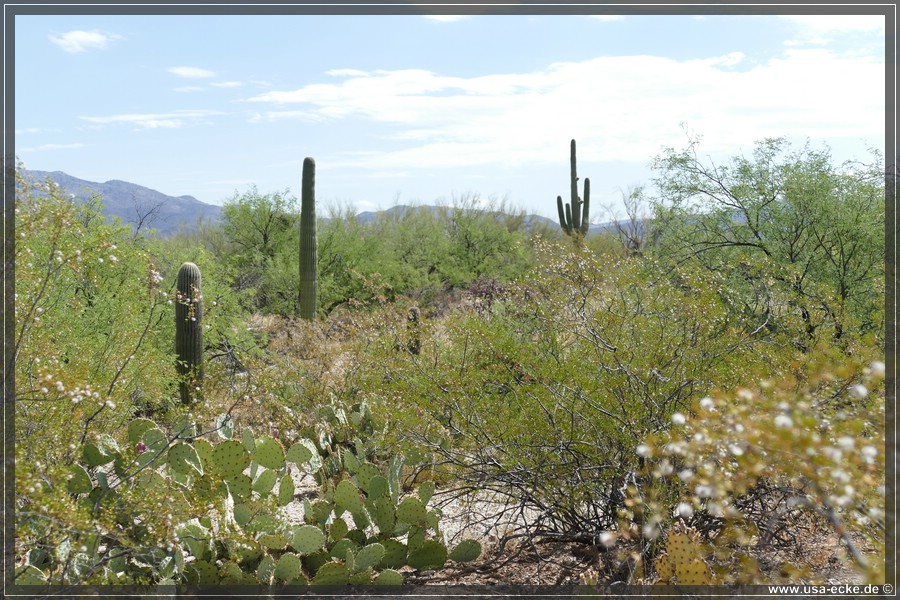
(93, 338)
(796, 236)
(260, 251)
(746, 466)
(594, 392)
(549, 392)
(365, 263)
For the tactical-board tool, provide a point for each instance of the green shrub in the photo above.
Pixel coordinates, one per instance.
(545, 396)
(757, 469)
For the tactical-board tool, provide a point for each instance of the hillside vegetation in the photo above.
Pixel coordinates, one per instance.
(688, 400)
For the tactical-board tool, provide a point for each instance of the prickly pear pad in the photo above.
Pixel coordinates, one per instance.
(695, 572)
(346, 497)
(230, 459)
(364, 475)
(368, 557)
(205, 452)
(394, 554)
(411, 510)
(288, 567)
(79, 481)
(378, 486)
(307, 539)
(269, 453)
(332, 573)
(266, 570)
(239, 486)
(431, 555)
(285, 490)
(136, 429)
(265, 482)
(300, 452)
(466, 551)
(382, 513)
(185, 459)
(389, 577)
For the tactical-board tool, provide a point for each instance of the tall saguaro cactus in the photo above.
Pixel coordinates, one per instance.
(189, 332)
(308, 258)
(575, 219)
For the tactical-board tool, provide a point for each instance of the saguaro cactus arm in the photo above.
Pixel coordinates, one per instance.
(189, 332)
(308, 251)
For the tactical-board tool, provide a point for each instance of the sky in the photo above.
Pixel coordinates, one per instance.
(412, 109)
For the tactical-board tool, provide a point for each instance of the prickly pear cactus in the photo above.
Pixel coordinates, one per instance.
(189, 333)
(682, 562)
(347, 497)
(389, 577)
(239, 486)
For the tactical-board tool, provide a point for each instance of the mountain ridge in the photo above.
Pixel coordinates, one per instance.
(137, 205)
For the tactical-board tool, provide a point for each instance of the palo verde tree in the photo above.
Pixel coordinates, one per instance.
(798, 235)
(260, 230)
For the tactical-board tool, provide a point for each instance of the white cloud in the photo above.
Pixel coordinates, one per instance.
(192, 72)
(618, 107)
(822, 29)
(345, 73)
(80, 41)
(51, 147)
(31, 130)
(155, 120)
(608, 18)
(279, 115)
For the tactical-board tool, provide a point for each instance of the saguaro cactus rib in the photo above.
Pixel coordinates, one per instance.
(189, 332)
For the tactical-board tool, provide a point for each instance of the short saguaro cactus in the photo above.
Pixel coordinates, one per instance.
(189, 332)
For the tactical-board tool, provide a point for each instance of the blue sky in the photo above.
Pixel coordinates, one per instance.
(415, 109)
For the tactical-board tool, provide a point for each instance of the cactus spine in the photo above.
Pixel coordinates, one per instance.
(189, 332)
(575, 219)
(308, 273)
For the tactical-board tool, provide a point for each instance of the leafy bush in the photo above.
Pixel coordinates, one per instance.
(92, 316)
(544, 397)
(746, 467)
(797, 234)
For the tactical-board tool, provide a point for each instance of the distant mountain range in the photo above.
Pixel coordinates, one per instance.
(132, 203)
(135, 204)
